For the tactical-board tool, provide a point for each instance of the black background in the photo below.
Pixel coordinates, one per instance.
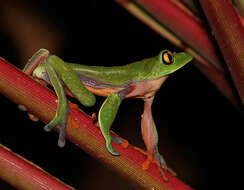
(200, 133)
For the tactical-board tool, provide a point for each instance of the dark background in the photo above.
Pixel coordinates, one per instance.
(199, 131)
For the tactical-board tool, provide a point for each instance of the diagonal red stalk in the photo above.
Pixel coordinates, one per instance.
(42, 102)
(23, 174)
(185, 26)
(229, 33)
(174, 21)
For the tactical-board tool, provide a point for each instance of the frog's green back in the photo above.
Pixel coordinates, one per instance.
(147, 69)
(117, 75)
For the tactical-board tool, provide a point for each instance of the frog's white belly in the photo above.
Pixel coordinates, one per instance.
(139, 89)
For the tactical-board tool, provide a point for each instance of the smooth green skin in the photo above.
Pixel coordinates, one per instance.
(56, 71)
(146, 69)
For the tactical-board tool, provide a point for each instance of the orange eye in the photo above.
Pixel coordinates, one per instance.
(167, 58)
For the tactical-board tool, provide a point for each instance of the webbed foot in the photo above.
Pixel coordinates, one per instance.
(156, 159)
(122, 142)
(162, 164)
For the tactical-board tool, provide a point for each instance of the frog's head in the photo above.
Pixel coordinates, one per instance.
(168, 62)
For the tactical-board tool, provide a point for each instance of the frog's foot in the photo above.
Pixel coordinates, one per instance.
(149, 159)
(162, 163)
(110, 148)
(155, 159)
(122, 142)
(61, 139)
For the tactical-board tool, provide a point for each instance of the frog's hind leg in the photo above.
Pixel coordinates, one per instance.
(62, 109)
(106, 116)
(150, 137)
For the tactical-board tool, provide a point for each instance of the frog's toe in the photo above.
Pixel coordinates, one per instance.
(160, 159)
(122, 142)
(61, 139)
(48, 128)
(117, 140)
(164, 175)
(112, 150)
(61, 142)
(163, 165)
(171, 171)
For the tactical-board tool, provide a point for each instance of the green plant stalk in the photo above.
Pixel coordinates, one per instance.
(42, 102)
(228, 31)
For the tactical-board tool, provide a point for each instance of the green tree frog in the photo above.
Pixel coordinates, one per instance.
(139, 79)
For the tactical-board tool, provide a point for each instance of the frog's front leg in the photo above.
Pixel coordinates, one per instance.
(62, 109)
(59, 73)
(150, 137)
(106, 116)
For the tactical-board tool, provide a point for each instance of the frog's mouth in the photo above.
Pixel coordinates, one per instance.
(180, 59)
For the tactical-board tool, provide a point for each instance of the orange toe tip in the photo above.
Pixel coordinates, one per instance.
(73, 105)
(136, 148)
(166, 179)
(154, 161)
(146, 164)
(33, 117)
(93, 116)
(140, 150)
(73, 123)
(164, 167)
(125, 143)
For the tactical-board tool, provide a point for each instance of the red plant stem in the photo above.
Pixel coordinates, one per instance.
(22, 174)
(229, 33)
(220, 79)
(42, 102)
(185, 26)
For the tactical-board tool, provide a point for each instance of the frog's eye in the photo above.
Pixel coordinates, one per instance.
(167, 58)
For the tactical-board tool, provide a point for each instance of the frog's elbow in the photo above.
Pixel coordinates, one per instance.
(90, 101)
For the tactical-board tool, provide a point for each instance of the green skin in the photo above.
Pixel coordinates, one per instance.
(140, 79)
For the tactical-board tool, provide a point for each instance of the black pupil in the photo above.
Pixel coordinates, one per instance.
(167, 58)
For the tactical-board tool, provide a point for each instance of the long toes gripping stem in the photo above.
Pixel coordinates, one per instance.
(163, 165)
(156, 159)
(118, 140)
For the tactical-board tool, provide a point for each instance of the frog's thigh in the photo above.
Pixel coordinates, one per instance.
(106, 116)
